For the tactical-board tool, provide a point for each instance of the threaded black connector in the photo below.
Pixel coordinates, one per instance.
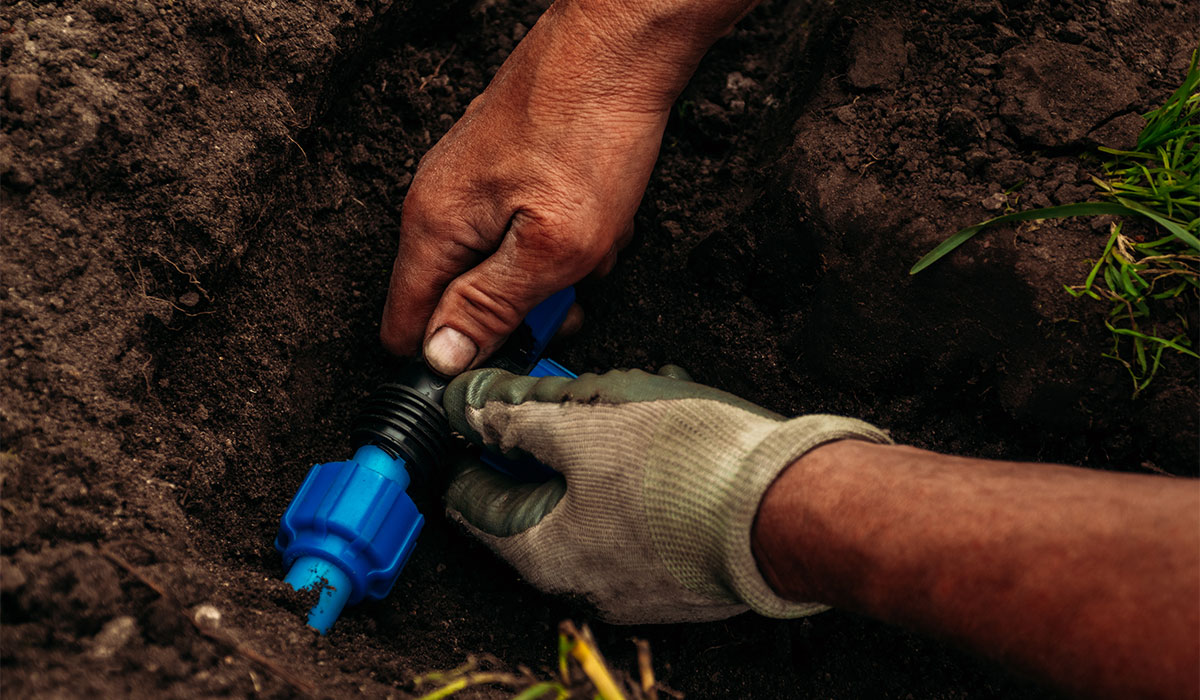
(405, 418)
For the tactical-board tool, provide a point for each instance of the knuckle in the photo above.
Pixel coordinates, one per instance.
(560, 241)
(419, 204)
(429, 200)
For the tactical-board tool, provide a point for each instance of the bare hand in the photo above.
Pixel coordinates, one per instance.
(537, 185)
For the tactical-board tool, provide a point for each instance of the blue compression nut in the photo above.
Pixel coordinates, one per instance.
(349, 531)
(351, 527)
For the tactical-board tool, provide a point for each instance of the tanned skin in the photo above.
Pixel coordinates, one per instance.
(1089, 580)
(537, 185)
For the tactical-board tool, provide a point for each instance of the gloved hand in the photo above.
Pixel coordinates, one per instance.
(660, 482)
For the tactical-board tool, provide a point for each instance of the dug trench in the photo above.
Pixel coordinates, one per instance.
(197, 252)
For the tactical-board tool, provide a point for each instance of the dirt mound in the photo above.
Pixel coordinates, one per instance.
(200, 203)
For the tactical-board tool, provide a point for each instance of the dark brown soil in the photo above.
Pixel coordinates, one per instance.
(201, 201)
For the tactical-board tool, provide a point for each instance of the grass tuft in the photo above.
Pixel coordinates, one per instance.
(581, 670)
(1150, 284)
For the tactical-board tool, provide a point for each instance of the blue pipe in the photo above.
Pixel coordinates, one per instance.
(309, 572)
(351, 527)
(349, 531)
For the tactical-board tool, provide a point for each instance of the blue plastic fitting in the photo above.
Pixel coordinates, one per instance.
(545, 318)
(351, 527)
(335, 588)
(349, 531)
(549, 368)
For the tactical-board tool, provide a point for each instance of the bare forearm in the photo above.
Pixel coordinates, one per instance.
(626, 55)
(1088, 579)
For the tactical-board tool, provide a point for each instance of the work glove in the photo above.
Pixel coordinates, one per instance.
(659, 483)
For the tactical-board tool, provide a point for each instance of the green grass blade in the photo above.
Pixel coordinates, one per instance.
(1173, 344)
(1127, 154)
(1126, 282)
(1111, 280)
(1112, 239)
(1158, 180)
(1162, 119)
(1172, 292)
(1180, 232)
(1058, 212)
(538, 690)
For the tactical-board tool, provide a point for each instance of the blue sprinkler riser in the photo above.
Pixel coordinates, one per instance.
(335, 586)
(351, 527)
(349, 531)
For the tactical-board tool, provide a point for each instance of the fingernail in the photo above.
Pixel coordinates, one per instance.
(449, 352)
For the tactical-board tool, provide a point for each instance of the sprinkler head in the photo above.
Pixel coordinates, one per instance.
(352, 526)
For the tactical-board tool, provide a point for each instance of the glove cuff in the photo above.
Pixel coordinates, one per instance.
(759, 469)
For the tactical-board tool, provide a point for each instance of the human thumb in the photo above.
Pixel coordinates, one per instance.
(481, 307)
(496, 504)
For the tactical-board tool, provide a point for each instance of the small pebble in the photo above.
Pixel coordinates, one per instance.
(738, 83)
(207, 616)
(115, 634)
(994, 201)
(845, 114)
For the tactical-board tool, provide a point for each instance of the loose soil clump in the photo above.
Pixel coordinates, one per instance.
(200, 208)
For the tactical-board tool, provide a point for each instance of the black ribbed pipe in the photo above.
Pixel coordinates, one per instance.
(405, 418)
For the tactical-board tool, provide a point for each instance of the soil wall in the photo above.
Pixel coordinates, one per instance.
(200, 206)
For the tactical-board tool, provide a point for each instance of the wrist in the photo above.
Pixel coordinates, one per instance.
(699, 21)
(766, 508)
(789, 539)
(782, 511)
(674, 31)
(614, 56)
